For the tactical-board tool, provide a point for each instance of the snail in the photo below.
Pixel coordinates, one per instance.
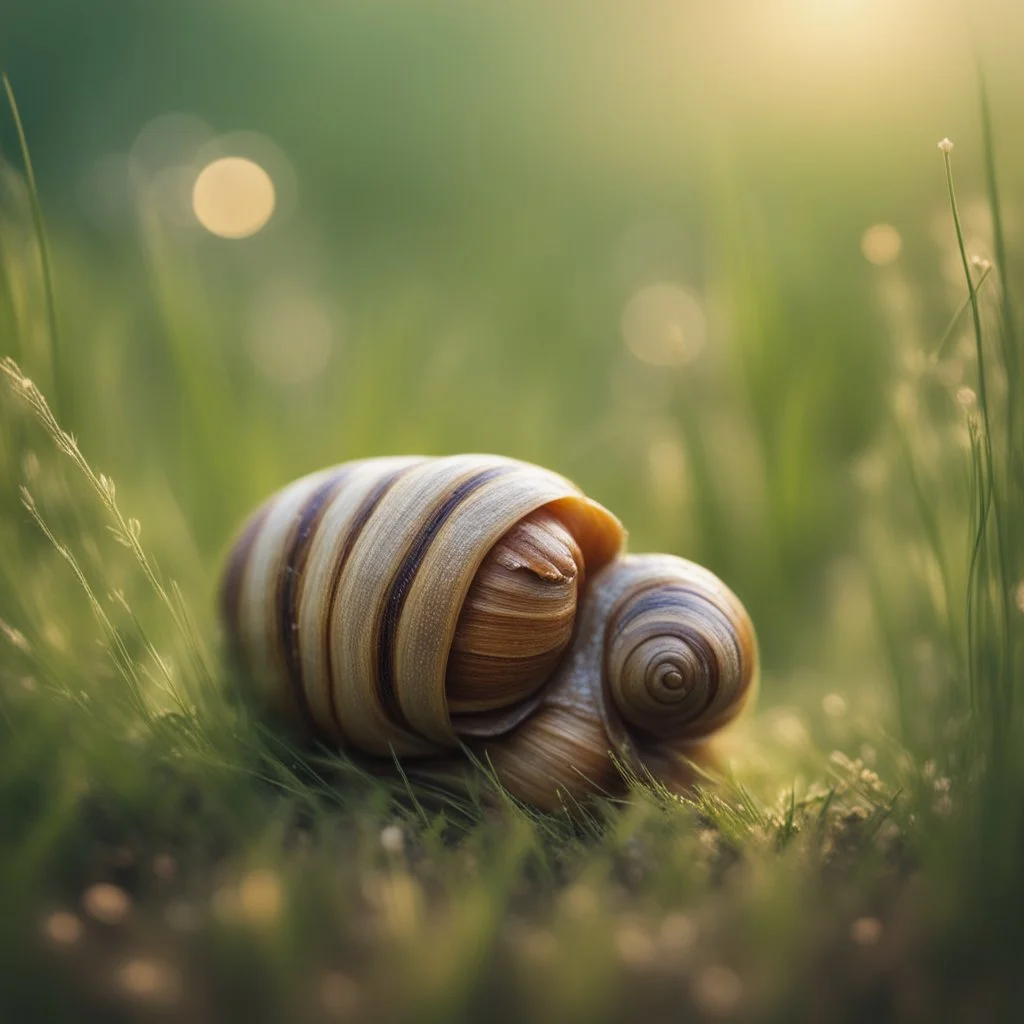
(416, 607)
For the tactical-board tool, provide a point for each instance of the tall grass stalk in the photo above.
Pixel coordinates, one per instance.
(45, 262)
(991, 575)
(1010, 347)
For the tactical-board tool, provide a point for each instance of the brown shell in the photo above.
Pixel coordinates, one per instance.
(369, 601)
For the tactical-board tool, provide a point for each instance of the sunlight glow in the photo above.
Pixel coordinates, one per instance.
(233, 197)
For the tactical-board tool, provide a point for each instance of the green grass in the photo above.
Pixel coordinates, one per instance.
(862, 860)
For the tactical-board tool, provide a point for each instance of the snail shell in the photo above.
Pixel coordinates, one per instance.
(413, 606)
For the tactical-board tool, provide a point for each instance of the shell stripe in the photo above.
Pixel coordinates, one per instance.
(234, 576)
(336, 530)
(259, 620)
(428, 622)
(355, 621)
(359, 520)
(664, 598)
(403, 579)
(659, 596)
(719, 651)
(289, 585)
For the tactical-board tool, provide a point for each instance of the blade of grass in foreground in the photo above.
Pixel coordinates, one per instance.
(125, 529)
(45, 263)
(991, 570)
(1011, 354)
(1008, 335)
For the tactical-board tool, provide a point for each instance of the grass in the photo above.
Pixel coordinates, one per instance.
(165, 852)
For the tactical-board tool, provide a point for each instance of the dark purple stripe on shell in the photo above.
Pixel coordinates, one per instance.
(655, 596)
(668, 597)
(289, 583)
(662, 597)
(234, 575)
(402, 581)
(359, 521)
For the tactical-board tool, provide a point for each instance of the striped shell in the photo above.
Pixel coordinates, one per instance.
(356, 600)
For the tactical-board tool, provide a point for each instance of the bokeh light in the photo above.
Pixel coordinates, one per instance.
(107, 903)
(233, 197)
(339, 994)
(62, 928)
(717, 990)
(664, 325)
(169, 192)
(149, 979)
(105, 190)
(834, 705)
(168, 139)
(290, 333)
(667, 471)
(260, 897)
(866, 931)
(881, 244)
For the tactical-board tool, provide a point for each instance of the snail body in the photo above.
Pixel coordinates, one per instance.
(413, 606)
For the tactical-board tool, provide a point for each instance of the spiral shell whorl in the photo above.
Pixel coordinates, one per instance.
(680, 656)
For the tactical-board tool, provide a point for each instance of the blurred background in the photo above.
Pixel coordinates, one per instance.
(685, 253)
